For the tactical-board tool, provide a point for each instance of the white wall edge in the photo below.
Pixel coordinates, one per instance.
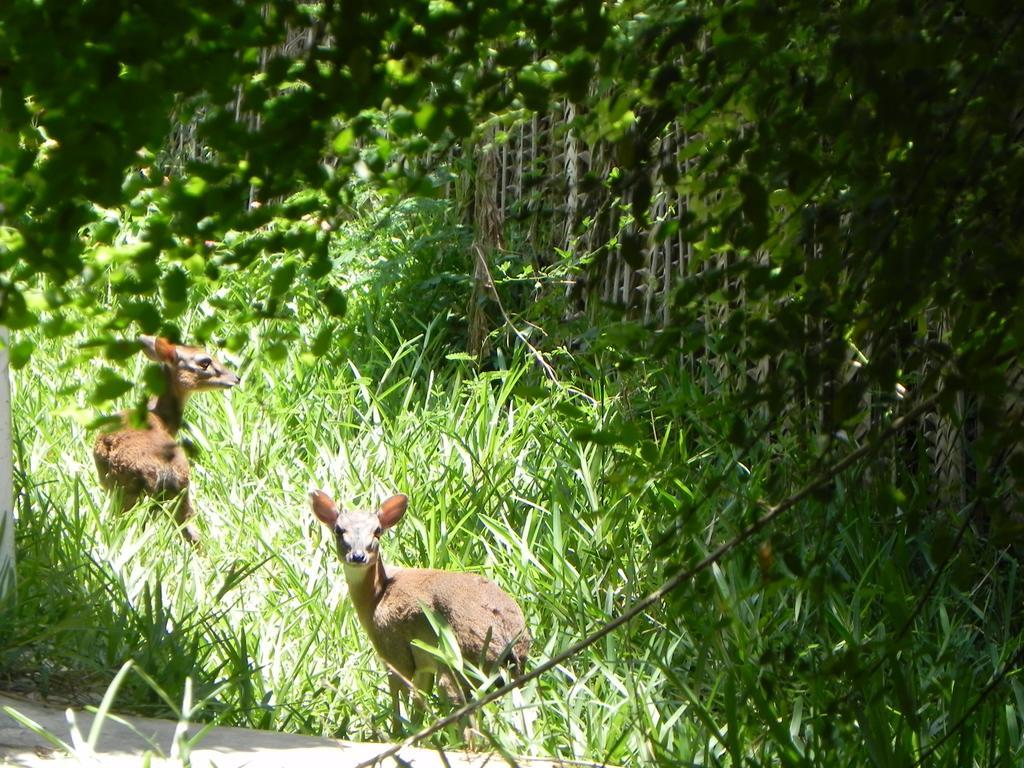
(6, 473)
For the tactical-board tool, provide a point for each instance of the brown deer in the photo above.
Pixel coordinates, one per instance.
(148, 459)
(390, 603)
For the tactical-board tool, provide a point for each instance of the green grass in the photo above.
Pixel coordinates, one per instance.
(800, 661)
(260, 615)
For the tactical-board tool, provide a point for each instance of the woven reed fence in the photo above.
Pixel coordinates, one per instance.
(537, 190)
(545, 184)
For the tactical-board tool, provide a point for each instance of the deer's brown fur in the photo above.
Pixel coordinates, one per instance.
(148, 460)
(487, 623)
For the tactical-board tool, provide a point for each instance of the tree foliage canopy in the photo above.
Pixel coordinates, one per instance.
(860, 164)
(852, 173)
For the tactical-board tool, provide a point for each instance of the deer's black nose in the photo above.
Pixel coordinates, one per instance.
(358, 557)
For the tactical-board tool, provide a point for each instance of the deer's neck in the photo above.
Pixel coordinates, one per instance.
(169, 405)
(365, 589)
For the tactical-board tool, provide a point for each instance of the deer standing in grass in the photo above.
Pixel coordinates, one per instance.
(389, 601)
(148, 459)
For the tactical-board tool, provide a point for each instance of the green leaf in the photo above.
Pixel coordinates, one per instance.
(430, 120)
(666, 229)
(14, 311)
(109, 385)
(343, 140)
(515, 56)
(21, 352)
(144, 313)
(459, 122)
(624, 434)
(334, 301)
(322, 341)
(570, 410)
(174, 286)
(403, 122)
(276, 350)
(632, 249)
(194, 187)
(534, 91)
(154, 378)
(755, 199)
(530, 392)
(120, 349)
(282, 278)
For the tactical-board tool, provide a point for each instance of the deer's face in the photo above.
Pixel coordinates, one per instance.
(197, 370)
(357, 534)
(192, 369)
(357, 538)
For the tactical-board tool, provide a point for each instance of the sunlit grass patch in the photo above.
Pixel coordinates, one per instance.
(784, 657)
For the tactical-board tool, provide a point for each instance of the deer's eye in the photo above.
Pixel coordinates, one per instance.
(204, 362)
(378, 532)
(339, 530)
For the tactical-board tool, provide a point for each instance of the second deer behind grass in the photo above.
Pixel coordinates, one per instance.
(390, 601)
(147, 459)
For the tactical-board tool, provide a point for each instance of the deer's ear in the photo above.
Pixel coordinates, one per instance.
(158, 349)
(324, 508)
(166, 352)
(391, 511)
